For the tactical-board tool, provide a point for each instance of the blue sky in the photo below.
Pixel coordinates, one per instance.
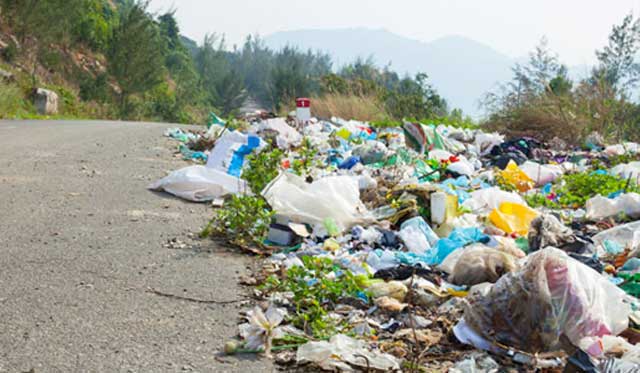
(574, 28)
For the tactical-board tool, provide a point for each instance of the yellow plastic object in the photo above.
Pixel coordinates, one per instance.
(516, 177)
(513, 217)
(331, 245)
(344, 133)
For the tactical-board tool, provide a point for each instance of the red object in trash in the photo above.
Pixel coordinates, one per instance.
(303, 102)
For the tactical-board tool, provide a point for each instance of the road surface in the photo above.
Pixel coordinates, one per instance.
(84, 262)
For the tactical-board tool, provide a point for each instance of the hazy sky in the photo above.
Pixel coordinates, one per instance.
(574, 27)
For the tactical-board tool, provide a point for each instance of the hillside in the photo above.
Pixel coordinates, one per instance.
(461, 69)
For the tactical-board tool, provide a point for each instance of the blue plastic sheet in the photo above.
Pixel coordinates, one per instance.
(459, 237)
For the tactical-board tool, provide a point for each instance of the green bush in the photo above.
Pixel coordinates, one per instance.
(94, 89)
(263, 167)
(10, 100)
(10, 52)
(244, 220)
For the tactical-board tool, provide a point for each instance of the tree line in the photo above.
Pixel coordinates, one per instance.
(542, 100)
(153, 71)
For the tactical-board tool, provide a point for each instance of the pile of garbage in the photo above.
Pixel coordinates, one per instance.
(425, 247)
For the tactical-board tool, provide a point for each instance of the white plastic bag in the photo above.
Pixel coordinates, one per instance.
(487, 199)
(342, 353)
(334, 197)
(622, 235)
(628, 170)
(541, 174)
(414, 240)
(199, 184)
(600, 207)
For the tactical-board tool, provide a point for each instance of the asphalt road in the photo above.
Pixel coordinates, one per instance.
(81, 243)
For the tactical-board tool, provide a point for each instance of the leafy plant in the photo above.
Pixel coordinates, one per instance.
(540, 200)
(576, 189)
(263, 167)
(573, 191)
(316, 287)
(243, 220)
(306, 158)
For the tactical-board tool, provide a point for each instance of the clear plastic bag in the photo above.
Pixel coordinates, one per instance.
(342, 353)
(334, 197)
(552, 295)
(600, 207)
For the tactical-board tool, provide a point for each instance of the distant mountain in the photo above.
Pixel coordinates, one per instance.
(462, 69)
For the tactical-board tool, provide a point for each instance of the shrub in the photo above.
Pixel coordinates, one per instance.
(10, 100)
(94, 89)
(10, 52)
(263, 167)
(244, 220)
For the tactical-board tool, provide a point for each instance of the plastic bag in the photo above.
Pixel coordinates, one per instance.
(622, 235)
(513, 218)
(342, 353)
(551, 295)
(600, 207)
(541, 174)
(393, 289)
(486, 141)
(626, 171)
(230, 150)
(480, 264)
(336, 197)
(459, 237)
(513, 175)
(199, 184)
(491, 198)
(414, 240)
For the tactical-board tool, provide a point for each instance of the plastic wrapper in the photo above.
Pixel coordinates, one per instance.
(199, 184)
(550, 296)
(342, 353)
(600, 207)
(513, 218)
(333, 197)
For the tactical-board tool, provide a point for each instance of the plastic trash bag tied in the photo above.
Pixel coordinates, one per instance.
(551, 295)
